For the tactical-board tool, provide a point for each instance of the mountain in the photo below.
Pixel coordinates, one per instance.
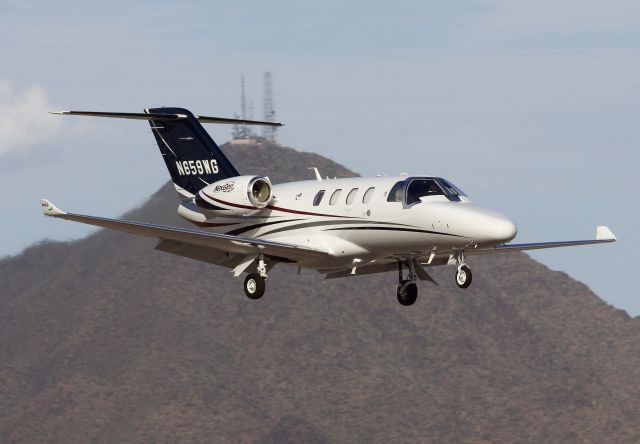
(106, 340)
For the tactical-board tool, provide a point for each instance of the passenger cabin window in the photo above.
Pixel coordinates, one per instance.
(351, 196)
(422, 188)
(367, 195)
(335, 196)
(395, 195)
(318, 198)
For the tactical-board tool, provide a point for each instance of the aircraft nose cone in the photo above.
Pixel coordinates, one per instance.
(483, 226)
(503, 229)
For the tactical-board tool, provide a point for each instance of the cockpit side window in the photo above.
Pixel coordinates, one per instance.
(318, 198)
(395, 195)
(422, 188)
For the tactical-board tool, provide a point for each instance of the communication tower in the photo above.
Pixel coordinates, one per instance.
(242, 131)
(268, 132)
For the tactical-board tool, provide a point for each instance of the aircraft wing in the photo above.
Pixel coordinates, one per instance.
(603, 235)
(221, 242)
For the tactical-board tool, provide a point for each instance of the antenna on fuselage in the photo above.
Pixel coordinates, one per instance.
(318, 176)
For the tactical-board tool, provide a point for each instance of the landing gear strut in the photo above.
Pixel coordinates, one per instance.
(463, 275)
(407, 289)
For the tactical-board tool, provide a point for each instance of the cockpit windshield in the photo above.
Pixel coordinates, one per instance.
(419, 188)
(451, 188)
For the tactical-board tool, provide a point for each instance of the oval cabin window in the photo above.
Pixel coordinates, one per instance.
(351, 196)
(335, 196)
(318, 198)
(367, 195)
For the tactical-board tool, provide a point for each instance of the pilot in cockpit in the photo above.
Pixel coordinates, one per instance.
(432, 188)
(422, 188)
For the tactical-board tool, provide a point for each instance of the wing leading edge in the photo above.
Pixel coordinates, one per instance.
(603, 235)
(216, 241)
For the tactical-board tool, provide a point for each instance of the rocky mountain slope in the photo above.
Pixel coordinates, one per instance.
(106, 340)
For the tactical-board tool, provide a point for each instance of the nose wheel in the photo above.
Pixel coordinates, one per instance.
(463, 276)
(254, 286)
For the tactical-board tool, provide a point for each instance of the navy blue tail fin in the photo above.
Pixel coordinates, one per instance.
(193, 159)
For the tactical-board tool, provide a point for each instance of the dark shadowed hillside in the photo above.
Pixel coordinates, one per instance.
(106, 340)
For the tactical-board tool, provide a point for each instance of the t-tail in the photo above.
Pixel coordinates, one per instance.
(193, 158)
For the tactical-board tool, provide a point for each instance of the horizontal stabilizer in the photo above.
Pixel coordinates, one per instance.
(223, 120)
(135, 116)
(166, 116)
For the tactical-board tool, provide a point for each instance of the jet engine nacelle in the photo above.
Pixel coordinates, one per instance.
(236, 195)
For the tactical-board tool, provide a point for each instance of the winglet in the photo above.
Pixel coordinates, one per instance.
(48, 209)
(605, 234)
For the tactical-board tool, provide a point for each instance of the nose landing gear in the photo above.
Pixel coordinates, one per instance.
(463, 275)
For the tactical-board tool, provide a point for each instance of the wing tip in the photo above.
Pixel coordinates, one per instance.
(59, 112)
(603, 233)
(49, 209)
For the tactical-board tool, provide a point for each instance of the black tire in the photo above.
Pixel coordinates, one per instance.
(407, 293)
(464, 277)
(254, 286)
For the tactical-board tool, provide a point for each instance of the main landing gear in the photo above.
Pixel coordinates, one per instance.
(407, 289)
(254, 286)
(255, 283)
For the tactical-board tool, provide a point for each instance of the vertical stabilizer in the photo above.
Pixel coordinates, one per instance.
(192, 157)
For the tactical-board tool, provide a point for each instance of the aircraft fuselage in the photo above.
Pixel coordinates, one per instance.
(362, 222)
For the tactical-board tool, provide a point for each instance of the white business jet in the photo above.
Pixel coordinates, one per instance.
(339, 227)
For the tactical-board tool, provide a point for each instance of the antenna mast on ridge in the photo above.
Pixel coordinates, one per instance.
(242, 131)
(268, 132)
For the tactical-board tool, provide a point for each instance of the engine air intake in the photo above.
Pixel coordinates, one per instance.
(259, 192)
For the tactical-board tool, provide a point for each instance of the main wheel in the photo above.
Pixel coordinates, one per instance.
(254, 286)
(463, 277)
(407, 293)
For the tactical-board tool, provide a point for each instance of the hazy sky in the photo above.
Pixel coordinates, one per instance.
(530, 107)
